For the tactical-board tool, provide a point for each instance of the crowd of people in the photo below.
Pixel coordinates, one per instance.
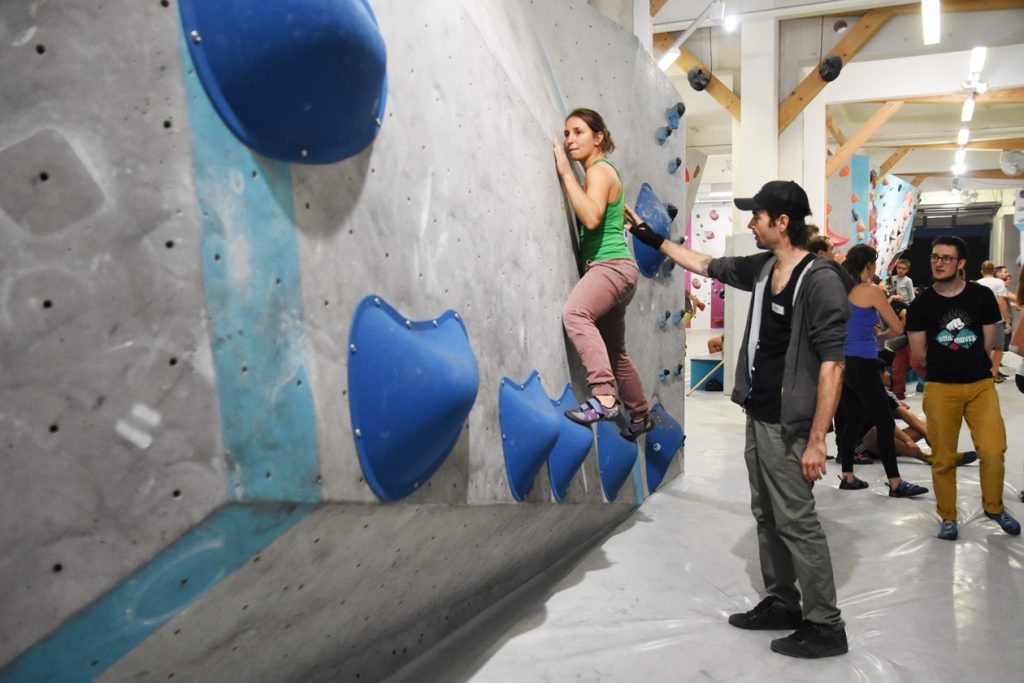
(817, 338)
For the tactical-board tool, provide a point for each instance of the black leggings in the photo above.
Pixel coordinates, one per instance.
(865, 401)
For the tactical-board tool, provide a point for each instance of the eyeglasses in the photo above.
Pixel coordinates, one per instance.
(945, 258)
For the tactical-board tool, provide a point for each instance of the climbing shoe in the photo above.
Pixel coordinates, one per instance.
(1006, 522)
(948, 530)
(906, 490)
(592, 411)
(633, 430)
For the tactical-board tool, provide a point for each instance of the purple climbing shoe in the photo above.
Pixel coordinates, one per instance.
(592, 411)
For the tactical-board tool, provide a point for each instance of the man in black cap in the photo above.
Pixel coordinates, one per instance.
(788, 379)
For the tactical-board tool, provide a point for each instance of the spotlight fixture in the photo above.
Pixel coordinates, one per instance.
(830, 67)
(730, 23)
(958, 169)
(698, 79)
(977, 60)
(840, 26)
(967, 113)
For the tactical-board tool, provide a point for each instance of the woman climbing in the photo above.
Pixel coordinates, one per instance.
(595, 312)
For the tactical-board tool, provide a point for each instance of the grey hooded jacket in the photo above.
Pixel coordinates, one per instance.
(820, 311)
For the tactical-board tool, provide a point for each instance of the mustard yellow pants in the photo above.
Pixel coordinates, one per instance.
(948, 405)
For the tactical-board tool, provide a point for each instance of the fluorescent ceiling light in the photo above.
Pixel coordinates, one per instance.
(730, 23)
(669, 58)
(725, 193)
(968, 111)
(977, 59)
(958, 169)
(959, 155)
(963, 136)
(931, 12)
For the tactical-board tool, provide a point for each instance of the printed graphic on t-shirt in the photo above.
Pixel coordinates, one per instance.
(957, 331)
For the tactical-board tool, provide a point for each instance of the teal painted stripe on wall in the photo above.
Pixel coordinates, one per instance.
(88, 643)
(254, 306)
(254, 303)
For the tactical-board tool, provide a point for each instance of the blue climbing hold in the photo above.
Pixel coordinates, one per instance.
(411, 385)
(662, 443)
(574, 442)
(654, 213)
(663, 134)
(674, 114)
(674, 165)
(302, 81)
(529, 430)
(615, 458)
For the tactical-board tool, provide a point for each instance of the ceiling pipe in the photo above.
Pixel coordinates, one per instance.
(672, 53)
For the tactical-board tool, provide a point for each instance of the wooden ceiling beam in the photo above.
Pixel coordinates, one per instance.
(949, 6)
(718, 90)
(980, 173)
(833, 128)
(993, 96)
(1002, 143)
(918, 179)
(862, 135)
(656, 6)
(847, 48)
(893, 159)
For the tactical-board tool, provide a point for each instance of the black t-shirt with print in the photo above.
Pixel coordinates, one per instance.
(765, 400)
(954, 328)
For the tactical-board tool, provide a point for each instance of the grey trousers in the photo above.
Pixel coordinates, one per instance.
(792, 545)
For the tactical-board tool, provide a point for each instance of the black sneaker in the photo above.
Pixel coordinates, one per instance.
(769, 614)
(812, 641)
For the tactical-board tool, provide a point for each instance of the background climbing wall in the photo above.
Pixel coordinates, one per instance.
(127, 212)
(709, 225)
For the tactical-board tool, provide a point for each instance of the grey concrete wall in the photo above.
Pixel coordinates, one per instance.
(109, 402)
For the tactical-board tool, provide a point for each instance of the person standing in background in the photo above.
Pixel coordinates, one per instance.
(952, 326)
(998, 287)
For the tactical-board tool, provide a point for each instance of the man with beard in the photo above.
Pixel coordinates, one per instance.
(951, 328)
(792, 348)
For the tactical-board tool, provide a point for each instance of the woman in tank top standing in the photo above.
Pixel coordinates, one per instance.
(595, 312)
(864, 398)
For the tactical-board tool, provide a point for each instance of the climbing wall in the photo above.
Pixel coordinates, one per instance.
(289, 421)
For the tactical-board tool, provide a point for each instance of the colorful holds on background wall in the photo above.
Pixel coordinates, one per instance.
(569, 452)
(530, 428)
(411, 386)
(303, 81)
(663, 134)
(674, 165)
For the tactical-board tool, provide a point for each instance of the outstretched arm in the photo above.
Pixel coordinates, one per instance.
(830, 382)
(693, 261)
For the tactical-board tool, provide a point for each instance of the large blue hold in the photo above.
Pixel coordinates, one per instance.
(662, 443)
(615, 458)
(655, 214)
(411, 386)
(302, 81)
(574, 442)
(529, 430)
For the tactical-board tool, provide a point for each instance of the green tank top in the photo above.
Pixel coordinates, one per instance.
(608, 240)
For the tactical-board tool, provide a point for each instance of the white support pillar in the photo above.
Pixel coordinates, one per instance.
(815, 150)
(755, 159)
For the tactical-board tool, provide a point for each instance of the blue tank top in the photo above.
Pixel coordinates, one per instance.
(860, 333)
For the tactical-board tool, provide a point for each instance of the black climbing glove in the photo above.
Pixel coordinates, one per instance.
(643, 232)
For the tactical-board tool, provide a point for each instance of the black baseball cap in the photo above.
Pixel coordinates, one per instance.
(778, 197)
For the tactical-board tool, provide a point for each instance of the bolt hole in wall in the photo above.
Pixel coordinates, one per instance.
(44, 176)
(40, 49)
(167, 123)
(169, 244)
(47, 303)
